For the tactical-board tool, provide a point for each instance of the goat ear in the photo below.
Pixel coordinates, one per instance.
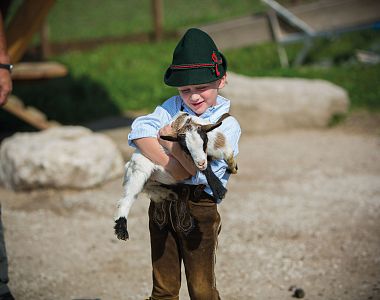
(170, 138)
(209, 127)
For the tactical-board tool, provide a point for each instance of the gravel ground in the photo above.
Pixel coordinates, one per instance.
(304, 210)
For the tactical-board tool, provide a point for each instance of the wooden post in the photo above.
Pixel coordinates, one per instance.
(276, 35)
(24, 24)
(44, 40)
(157, 19)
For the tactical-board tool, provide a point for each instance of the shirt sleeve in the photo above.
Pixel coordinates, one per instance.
(149, 125)
(231, 129)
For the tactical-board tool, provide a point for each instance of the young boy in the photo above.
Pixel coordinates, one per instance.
(198, 71)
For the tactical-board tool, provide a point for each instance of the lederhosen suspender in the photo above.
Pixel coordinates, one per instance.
(223, 117)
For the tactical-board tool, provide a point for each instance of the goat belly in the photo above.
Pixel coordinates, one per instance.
(159, 174)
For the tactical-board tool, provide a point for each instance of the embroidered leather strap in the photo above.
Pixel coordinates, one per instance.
(177, 212)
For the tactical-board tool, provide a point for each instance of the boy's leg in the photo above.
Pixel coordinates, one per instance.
(3, 262)
(166, 258)
(199, 248)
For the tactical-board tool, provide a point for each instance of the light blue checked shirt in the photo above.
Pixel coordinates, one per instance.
(149, 125)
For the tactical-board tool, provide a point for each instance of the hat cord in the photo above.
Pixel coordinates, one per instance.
(215, 64)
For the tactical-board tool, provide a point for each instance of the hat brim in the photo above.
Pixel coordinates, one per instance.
(184, 77)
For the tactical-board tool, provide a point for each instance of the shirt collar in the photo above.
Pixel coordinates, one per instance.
(213, 112)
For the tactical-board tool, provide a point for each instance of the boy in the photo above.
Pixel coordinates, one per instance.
(198, 71)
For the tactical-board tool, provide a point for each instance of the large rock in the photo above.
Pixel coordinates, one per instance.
(60, 157)
(269, 104)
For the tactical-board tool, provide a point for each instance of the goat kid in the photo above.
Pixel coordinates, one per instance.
(196, 132)
(197, 138)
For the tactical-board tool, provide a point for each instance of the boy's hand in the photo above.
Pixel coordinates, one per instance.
(176, 151)
(166, 130)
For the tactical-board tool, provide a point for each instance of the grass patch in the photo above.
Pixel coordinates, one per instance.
(117, 78)
(77, 20)
(132, 74)
(331, 59)
(71, 20)
(336, 119)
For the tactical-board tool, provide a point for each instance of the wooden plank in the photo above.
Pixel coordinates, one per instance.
(25, 23)
(327, 15)
(240, 32)
(38, 70)
(29, 115)
(323, 15)
(157, 10)
(277, 35)
(289, 17)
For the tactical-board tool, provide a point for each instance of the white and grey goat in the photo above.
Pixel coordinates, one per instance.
(196, 137)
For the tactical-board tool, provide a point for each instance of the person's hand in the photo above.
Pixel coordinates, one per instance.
(5, 76)
(5, 85)
(166, 130)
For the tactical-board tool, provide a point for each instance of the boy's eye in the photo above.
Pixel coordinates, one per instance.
(185, 91)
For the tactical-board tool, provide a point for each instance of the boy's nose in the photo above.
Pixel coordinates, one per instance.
(194, 97)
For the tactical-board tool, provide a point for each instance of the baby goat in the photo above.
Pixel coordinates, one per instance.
(196, 137)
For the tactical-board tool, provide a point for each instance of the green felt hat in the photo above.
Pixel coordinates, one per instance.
(196, 60)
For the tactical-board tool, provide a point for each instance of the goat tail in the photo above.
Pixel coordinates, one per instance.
(217, 188)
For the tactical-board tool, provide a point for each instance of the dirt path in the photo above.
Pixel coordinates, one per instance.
(304, 210)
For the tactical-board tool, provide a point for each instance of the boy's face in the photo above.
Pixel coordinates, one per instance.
(201, 96)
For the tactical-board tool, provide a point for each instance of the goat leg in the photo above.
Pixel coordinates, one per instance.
(232, 165)
(217, 188)
(121, 230)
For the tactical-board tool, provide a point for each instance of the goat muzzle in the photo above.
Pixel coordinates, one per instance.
(202, 165)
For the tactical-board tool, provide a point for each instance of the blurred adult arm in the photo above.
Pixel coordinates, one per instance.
(5, 76)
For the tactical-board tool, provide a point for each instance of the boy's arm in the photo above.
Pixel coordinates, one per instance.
(175, 149)
(151, 148)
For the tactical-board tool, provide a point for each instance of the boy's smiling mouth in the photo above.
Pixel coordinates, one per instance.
(197, 104)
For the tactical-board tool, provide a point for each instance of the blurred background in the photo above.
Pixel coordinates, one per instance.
(116, 54)
(304, 209)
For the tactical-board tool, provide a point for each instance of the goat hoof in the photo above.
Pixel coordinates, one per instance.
(232, 165)
(220, 193)
(233, 170)
(121, 230)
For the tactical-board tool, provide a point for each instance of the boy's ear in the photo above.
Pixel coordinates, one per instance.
(223, 81)
(209, 127)
(170, 138)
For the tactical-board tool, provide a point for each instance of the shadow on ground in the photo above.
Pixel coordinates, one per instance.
(69, 101)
